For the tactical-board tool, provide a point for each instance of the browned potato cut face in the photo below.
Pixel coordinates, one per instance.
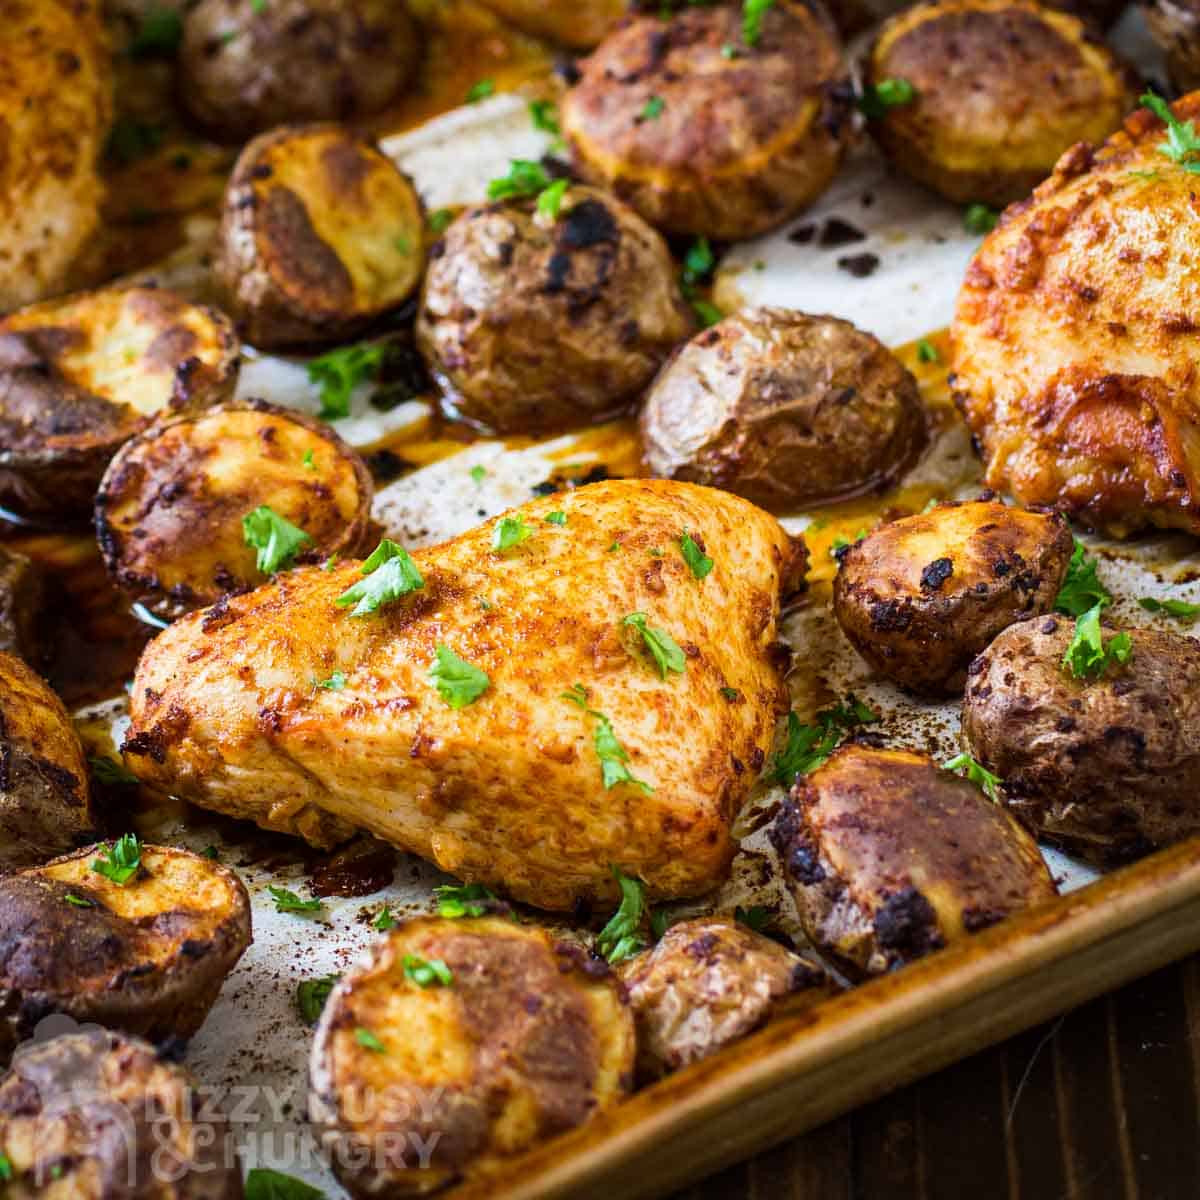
(1108, 767)
(579, 25)
(248, 68)
(321, 234)
(147, 957)
(94, 1115)
(1039, 81)
(785, 409)
(170, 507)
(704, 984)
(890, 858)
(22, 596)
(413, 1087)
(45, 808)
(1175, 25)
(702, 141)
(533, 322)
(81, 375)
(920, 597)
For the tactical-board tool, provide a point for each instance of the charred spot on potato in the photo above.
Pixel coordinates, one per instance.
(936, 574)
(906, 925)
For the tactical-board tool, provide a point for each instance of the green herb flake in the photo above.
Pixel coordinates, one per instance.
(698, 562)
(663, 648)
(258, 7)
(159, 35)
(210, 852)
(1145, 175)
(478, 474)
(275, 538)
(612, 755)
(311, 995)
(339, 372)
(730, 694)
(753, 14)
(878, 98)
(544, 116)
(402, 244)
(389, 573)
(841, 544)
(1181, 610)
(468, 900)
(481, 91)
(755, 917)
(524, 178)
(330, 563)
(112, 773)
(622, 938)
(458, 682)
(1081, 589)
(550, 199)
(427, 972)
(287, 901)
(927, 352)
(368, 1041)
(510, 532)
(729, 50)
(308, 462)
(979, 218)
(335, 683)
(808, 746)
(557, 518)
(79, 901)
(384, 920)
(652, 109)
(121, 861)
(979, 775)
(262, 1183)
(614, 547)
(1089, 656)
(698, 262)
(440, 219)
(1182, 145)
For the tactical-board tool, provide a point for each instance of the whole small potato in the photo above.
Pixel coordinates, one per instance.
(705, 133)
(1175, 25)
(22, 604)
(785, 409)
(1023, 84)
(534, 322)
(580, 24)
(245, 68)
(919, 598)
(1109, 767)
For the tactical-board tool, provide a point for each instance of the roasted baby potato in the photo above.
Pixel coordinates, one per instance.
(1175, 25)
(889, 858)
(321, 234)
(458, 1044)
(45, 808)
(1074, 338)
(1027, 83)
(81, 375)
(93, 1115)
(532, 321)
(56, 97)
(170, 507)
(147, 956)
(579, 25)
(1108, 767)
(701, 140)
(785, 409)
(245, 68)
(704, 984)
(22, 598)
(919, 598)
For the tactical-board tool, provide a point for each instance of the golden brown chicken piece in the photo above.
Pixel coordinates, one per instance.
(285, 708)
(1076, 337)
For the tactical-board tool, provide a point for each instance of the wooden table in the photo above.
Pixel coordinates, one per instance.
(1102, 1104)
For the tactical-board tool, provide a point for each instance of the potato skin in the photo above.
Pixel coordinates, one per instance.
(45, 807)
(81, 375)
(532, 324)
(1110, 767)
(79, 1111)
(148, 957)
(531, 1039)
(1175, 25)
(295, 60)
(22, 598)
(579, 25)
(785, 409)
(320, 234)
(889, 858)
(170, 506)
(741, 143)
(1027, 83)
(704, 984)
(919, 598)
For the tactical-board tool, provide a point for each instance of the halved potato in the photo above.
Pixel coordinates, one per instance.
(321, 234)
(81, 375)
(22, 595)
(170, 506)
(919, 598)
(458, 1044)
(148, 956)
(579, 25)
(45, 808)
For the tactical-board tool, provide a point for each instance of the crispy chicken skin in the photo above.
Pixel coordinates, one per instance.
(1075, 339)
(1108, 767)
(736, 143)
(889, 857)
(920, 597)
(507, 790)
(529, 1038)
(705, 983)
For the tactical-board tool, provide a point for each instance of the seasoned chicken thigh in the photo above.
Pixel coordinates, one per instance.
(586, 682)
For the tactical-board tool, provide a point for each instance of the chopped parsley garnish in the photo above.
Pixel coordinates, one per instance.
(730, 694)
(334, 683)
(384, 920)
(458, 682)
(698, 562)
(612, 755)
(652, 109)
(275, 538)
(550, 199)
(753, 13)
(698, 262)
(729, 50)
(389, 573)
(262, 1183)
(1089, 655)
(121, 861)
(330, 563)
(6, 1171)
(469, 900)
(841, 544)
(112, 773)
(159, 34)
(544, 116)
(979, 218)
(614, 547)
(1081, 589)
(311, 995)
(524, 178)
(1181, 610)
(662, 646)
(339, 372)
(427, 972)
(402, 244)
(510, 532)
(927, 352)
(808, 746)
(1182, 145)
(307, 461)
(368, 1041)
(622, 938)
(877, 98)
(557, 518)
(979, 775)
(211, 852)
(478, 474)
(258, 7)
(755, 917)
(287, 901)
(481, 91)
(79, 901)
(131, 139)
(440, 219)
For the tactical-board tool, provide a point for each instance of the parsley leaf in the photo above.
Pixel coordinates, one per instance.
(458, 682)
(288, 902)
(121, 861)
(481, 91)
(1081, 589)
(979, 218)
(427, 972)
(368, 1041)
(840, 544)
(308, 462)
(112, 773)
(550, 199)
(698, 562)
(311, 995)
(1181, 610)
(652, 109)
(159, 34)
(6, 1171)
(621, 938)
(698, 262)
(976, 773)
(927, 352)
(440, 219)
(557, 518)
(510, 532)
(384, 920)
(877, 98)
(753, 12)
(478, 474)
(663, 648)
(334, 683)
(275, 538)
(264, 1184)
(389, 574)
(756, 917)
(468, 900)
(612, 755)
(524, 178)
(544, 116)
(1182, 145)
(1089, 655)
(808, 746)
(79, 901)
(339, 372)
